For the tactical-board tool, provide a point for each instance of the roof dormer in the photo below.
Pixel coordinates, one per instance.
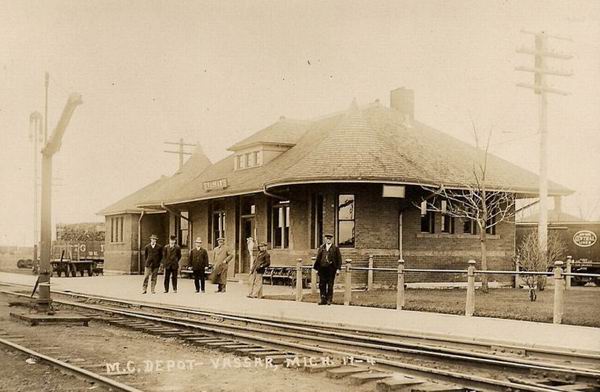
(268, 143)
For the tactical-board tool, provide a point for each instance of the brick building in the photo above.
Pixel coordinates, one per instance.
(358, 174)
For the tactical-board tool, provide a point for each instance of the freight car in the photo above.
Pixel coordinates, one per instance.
(581, 241)
(72, 257)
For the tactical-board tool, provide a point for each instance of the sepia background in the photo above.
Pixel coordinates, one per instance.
(214, 72)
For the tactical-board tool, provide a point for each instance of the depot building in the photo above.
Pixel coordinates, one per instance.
(360, 174)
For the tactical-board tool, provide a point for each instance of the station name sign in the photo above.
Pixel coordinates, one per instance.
(585, 238)
(397, 191)
(221, 183)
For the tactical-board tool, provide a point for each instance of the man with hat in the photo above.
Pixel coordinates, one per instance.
(152, 259)
(327, 264)
(171, 257)
(198, 260)
(263, 260)
(222, 255)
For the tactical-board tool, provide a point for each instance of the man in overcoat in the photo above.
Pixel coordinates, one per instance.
(171, 257)
(152, 259)
(198, 261)
(222, 255)
(263, 260)
(328, 262)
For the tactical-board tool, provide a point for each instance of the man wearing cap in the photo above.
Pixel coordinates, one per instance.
(222, 255)
(152, 258)
(263, 260)
(171, 257)
(198, 261)
(327, 264)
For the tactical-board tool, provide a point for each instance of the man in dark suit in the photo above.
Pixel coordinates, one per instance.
(152, 258)
(198, 261)
(327, 264)
(171, 257)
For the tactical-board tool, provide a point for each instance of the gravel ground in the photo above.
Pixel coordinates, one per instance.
(196, 368)
(500, 303)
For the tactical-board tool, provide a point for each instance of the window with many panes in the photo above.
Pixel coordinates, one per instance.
(345, 221)
(491, 225)
(281, 225)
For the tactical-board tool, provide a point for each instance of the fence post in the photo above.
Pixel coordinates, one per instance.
(400, 294)
(559, 292)
(313, 277)
(348, 285)
(568, 278)
(299, 280)
(370, 274)
(517, 277)
(470, 306)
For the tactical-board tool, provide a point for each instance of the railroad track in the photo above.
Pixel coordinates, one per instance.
(359, 357)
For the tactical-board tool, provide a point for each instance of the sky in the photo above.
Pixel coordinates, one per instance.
(214, 72)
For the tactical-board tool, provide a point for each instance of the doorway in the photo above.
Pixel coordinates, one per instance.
(247, 229)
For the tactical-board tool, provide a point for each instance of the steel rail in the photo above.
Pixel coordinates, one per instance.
(311, 329)
(294, 323)
(221, 329)
(70, 368)
(460, 377)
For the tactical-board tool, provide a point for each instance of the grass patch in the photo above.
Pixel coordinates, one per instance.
(581, 304)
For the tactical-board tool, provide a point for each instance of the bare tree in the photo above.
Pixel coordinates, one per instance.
(475, 200)
(531, 258)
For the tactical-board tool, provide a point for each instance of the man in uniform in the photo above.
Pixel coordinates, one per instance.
(263, 260)
(171, 257)
(152, 259)
(222, 255)
(327, 264)
(198, 261)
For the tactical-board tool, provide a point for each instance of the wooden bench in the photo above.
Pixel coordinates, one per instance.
(186, 271)
(285, 275)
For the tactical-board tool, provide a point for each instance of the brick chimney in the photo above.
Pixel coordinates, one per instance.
(403, 100)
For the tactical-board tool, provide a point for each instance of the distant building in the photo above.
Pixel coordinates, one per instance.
(357, 174)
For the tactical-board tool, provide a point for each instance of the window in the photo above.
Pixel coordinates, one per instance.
(428, 222)
(447, 224)
(257, 158)
(218, 226)
(248, 160)
(116, 229)
(345, 221)
(281, 225)
(491, 225)
(469, 226)
(316, 217)
(182, 228)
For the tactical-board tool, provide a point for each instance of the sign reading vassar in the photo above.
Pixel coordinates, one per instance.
(221, 183)
(585, 238)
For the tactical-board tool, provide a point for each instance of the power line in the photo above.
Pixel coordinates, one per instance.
(181, 152)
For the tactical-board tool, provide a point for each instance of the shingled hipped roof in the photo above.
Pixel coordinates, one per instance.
(152, 195)
(372, 143)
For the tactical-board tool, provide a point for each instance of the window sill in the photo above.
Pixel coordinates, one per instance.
(454, 236)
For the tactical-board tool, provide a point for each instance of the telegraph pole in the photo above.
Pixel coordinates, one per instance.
(180, 151)
(540, 87)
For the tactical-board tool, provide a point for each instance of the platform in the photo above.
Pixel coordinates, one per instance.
(529, 334)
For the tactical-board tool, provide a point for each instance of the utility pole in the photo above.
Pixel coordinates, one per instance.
(51, 147)
(541, 53)
(180, 151)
